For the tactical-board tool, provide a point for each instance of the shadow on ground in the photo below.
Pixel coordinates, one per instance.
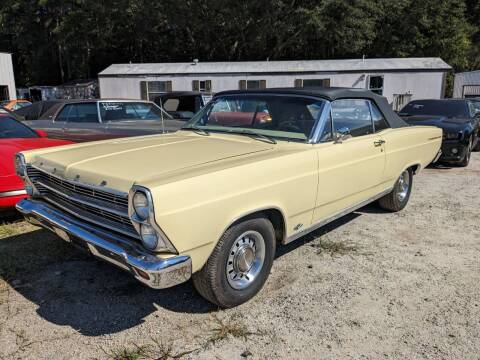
(72, 288)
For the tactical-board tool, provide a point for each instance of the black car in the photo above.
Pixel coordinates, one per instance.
(182, 105)
(36, 110)
(459, 119)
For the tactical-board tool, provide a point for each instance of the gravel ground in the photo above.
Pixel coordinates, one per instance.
(372, 285)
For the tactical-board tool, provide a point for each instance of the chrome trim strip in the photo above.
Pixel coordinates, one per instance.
(12, 193)
(162, 272)
(320, 125)
(336, 216)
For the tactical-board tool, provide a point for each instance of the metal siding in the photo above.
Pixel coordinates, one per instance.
(255, 67)
(420, 84)
(6, 74)
(463, 79)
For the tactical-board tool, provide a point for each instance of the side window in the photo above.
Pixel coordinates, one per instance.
(351, 117)
(63, 115)
(83, 113)
(378, 120)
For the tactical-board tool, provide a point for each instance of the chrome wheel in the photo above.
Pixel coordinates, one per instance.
(403, 186)
(245, 260)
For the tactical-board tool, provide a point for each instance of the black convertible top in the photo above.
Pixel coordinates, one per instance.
(331, 94)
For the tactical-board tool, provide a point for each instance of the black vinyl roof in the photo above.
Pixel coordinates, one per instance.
(331, 94)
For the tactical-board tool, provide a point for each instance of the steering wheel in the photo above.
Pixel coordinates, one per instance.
(290, 126)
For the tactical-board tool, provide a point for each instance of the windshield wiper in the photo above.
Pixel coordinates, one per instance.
(196, 130)
(254, 134)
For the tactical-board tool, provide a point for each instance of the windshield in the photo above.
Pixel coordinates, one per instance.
(10, 128)
(130, 111)
(276, 116)
(448, 108)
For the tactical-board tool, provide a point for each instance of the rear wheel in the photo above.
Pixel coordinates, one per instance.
(397, 199)
(239, 265)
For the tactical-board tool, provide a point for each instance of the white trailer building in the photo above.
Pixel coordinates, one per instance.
(467, 84)
(398, 79)
(7, 80)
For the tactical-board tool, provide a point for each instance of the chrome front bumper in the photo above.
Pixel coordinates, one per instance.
(156, 272)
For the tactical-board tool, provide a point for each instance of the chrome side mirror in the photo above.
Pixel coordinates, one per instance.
(342, 134)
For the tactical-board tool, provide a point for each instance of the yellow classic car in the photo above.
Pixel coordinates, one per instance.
(250, 171)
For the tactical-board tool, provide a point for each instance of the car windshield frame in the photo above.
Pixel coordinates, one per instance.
(319, 119)
(28, 131)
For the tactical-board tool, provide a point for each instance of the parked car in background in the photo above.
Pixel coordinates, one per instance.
(16, 137)
(183, 105)
(459, 119)
(89, 120)
(215, 198)
(36, 110)
(15, 104)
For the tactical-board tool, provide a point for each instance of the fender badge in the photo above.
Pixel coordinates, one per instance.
(298, 227)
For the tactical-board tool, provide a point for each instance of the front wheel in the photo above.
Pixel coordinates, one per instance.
(466, 158)
(397, 199)
(239, 265)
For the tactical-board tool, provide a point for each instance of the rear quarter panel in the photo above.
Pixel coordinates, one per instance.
(410, 146)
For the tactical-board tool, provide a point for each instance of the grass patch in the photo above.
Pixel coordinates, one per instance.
(8, 229)
(223, 328)
(333, 248)
(158, 350)
(129, 353)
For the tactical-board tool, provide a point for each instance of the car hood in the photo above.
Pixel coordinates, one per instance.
(120, 163)
(440, 121)
(9, 147)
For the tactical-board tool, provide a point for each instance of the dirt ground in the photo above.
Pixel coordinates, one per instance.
(372, 285)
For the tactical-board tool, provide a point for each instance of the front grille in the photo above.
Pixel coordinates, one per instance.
(99, 207)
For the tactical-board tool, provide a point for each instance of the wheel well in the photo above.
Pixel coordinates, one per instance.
(415, 168)
(276, 218)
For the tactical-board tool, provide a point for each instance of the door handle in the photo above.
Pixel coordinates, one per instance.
(378, 143)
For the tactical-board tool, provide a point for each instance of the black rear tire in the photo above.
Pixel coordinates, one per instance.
(212, 282)
(398, 198)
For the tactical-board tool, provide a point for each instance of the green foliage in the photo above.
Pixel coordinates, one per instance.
(54, 41)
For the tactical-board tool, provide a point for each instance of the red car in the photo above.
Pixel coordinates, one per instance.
(16, 137)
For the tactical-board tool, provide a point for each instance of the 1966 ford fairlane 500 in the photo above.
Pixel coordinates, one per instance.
(213, 200)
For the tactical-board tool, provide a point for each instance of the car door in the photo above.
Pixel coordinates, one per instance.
(351, 159)
(83, 123)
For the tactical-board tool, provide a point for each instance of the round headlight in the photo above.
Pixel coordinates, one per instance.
(141, 205)
(149, 236)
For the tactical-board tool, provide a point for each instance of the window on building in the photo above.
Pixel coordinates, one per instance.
(252, 84)
(202, 85)
(308, 83)
(375, 84)
(149, 90)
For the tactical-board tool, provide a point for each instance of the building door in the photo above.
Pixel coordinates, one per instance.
(4, 93)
